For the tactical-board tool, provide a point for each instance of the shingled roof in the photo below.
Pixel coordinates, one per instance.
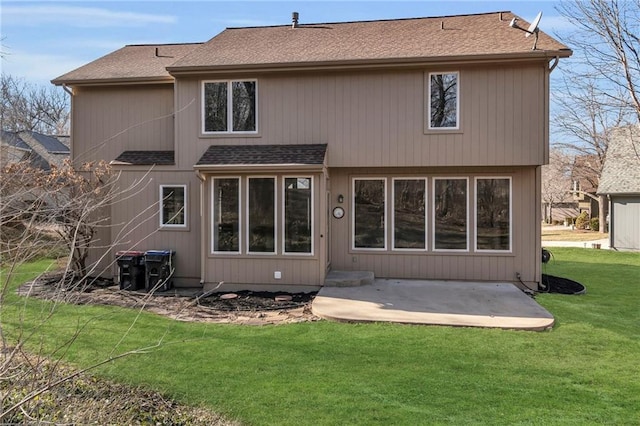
(243, 155)
(412, 40)
(621, 170)
(131, 63)
(146, 158)
(398, 40)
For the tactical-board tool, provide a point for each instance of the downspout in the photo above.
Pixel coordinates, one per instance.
(203, 238)
(554, 65)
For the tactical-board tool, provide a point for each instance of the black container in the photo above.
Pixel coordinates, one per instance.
(159, 269)
(131, 269)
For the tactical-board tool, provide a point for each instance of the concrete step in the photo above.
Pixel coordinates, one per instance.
(348, 278)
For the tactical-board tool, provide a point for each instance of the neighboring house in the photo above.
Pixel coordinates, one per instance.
(42, 151)
(620, 181)
(411, 148)
(584, 184)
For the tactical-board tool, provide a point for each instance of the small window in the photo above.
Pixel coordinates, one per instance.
(173, 206)
(443, 101)
(226, 215)
(450, 217)
(369, 218)
(493, 210)
(298, 215)
(261, 213)
(229, 106)
(409, 219)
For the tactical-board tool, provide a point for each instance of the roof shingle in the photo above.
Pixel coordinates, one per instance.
(146, 158)
(621, 170)
(132, 62)
(399, 39)
(309, 154)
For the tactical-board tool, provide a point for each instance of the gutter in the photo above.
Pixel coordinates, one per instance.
(370, 64)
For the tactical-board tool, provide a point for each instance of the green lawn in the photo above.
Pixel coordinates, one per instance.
(584, 371)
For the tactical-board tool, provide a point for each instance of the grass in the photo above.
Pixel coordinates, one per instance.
(584, 371)
(555, 234)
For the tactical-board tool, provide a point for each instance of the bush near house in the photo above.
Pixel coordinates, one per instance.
(582, 221)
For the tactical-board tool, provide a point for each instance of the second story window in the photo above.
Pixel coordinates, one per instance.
(443, 102)
(229, 106)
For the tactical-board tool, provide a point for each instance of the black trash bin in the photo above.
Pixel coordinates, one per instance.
(159, 269)
(131, 271)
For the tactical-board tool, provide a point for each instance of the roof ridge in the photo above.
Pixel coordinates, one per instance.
(301, 25)
(163, 44)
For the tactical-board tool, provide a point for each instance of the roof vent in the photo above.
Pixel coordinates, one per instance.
(294, 20)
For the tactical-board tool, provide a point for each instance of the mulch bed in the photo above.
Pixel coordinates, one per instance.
(561, 285)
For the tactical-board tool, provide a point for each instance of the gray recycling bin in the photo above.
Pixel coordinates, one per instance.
(159, 269)
(131, 271)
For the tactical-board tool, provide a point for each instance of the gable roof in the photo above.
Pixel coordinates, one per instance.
(42, 151)
(621, 170)
(399, 40)
(146, 62)
(248, 155)
(413, 40)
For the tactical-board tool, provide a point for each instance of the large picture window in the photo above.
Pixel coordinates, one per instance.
(226, 215)
(409, 224)
(261, 213)
(450, 217)
(493, 214)
(443, 105)
(298, 214)
(369, 218)
(173, 206)
(229, 106)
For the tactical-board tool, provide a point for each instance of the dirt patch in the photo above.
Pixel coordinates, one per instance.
(246, 307)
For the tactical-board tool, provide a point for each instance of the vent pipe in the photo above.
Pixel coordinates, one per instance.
(294, 20)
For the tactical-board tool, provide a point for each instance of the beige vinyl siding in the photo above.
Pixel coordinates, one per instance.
(109, 120)
(471, 265)
(136, 223)
(377, 119)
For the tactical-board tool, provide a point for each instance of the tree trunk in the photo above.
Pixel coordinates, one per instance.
(602, 202)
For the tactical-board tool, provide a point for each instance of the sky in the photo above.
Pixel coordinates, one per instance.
(44, 39)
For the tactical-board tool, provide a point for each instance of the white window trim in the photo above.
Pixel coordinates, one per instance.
(161, 205)
(475, 203)
(353, 214)
(229, 108)
(275, 216)
(212, 221)
(433, 214)
(428, 115)
(393, 215)
(284, 178)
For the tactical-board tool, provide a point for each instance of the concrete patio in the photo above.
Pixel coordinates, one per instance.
(452, 303)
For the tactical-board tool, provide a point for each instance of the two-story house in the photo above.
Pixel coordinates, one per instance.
(268, 156)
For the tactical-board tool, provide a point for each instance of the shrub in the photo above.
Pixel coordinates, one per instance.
(594, 224)
(582, 220)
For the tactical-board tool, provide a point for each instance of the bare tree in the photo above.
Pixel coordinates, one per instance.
(25, 106)
(607, 39)
(585, 116)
